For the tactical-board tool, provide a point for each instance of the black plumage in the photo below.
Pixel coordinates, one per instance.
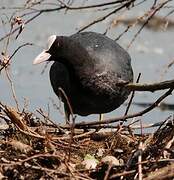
(88, 66)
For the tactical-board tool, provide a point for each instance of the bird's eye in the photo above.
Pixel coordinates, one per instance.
(51, 40)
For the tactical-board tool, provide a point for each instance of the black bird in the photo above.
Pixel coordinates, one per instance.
(88, 67)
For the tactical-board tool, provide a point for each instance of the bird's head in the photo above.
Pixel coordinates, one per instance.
(53, 44)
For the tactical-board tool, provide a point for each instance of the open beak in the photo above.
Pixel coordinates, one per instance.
(42, 57)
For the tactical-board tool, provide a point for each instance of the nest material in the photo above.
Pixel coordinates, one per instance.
(35, 149)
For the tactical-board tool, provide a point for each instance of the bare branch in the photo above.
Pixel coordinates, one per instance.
(125, 5)
(150, 87)
(9, 59)
(112, 120)
(91, 6)
(153, 10)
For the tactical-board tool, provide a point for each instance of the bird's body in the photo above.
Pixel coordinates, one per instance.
(88, 67)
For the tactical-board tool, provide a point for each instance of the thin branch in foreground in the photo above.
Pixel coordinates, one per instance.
(112, 120)
(16, 29)
(130, 102)
(132, 96)
(149, 87)
(140, 176)
(9, 59)
(167, 122)
(38, 13)
(12, 88)
(72, 125)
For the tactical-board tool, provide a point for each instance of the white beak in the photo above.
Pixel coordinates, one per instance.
(43, 56)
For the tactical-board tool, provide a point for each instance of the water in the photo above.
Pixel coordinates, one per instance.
(150, 53)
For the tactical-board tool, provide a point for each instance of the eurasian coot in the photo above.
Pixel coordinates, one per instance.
(88, 67)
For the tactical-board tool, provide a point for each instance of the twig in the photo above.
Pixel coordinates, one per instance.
(23, 45)
(125, 173)
(38, 13)
(112, 120)
(108, 171)
(134, 126)
(127, 4)
(107, 126)
(12, 88)
(40, 111)
(150, 87)
(70, 170)
(34, 157)
(129, 104)
(168, 146)
(44, 169)
(154, 11)
(157, 161)
(73, 120)
(16, 29)
(84, 135)
(125, 31)
(161, 173)
(90, 6)
(69, 109)
(140, 176)
(132, 96)
(8, 39)
(67, 101)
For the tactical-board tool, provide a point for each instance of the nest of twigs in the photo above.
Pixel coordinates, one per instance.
(32, 148)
